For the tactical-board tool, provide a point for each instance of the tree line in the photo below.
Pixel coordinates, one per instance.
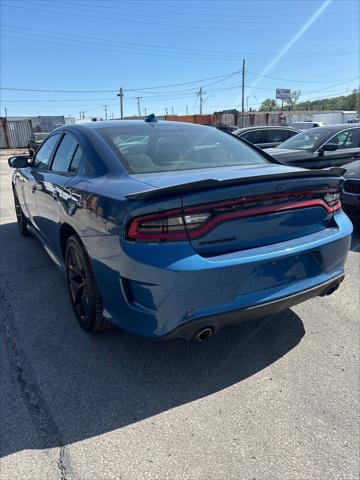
(343, 102)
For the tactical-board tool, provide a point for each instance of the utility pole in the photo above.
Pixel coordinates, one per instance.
(242, 92)
(121, 95)
(172, 110)
(200, 95)
(247, 103)
(145, 111)
(187, 110)
(138, 104)
(82, 114)
(5, 112)
(105, 108)
(166, 111)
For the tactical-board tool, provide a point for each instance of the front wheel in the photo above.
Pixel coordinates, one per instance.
(20, 217)
(84, 295)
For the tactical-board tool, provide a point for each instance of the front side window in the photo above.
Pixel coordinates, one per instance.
(64, 154)
(44, 154)
(307, 140)
(347, 139)
(163, 147)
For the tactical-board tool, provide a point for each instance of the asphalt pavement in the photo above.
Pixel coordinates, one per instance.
(276, 399)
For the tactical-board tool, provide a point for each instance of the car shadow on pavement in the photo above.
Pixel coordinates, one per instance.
(70, 386)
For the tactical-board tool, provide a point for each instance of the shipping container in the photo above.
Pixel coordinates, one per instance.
(17, 132)
(206, 119)
(3, 139)
(228, 119)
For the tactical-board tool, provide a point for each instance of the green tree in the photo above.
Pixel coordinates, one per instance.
(268, 105)
(343, 102)
(294, 97)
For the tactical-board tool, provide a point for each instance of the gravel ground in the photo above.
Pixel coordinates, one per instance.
(276, 399)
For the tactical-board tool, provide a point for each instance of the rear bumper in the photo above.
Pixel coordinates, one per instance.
(168, 290)
(217, 322)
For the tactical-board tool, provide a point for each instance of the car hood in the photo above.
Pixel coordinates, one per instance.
(165, 179)
(287, 153)
(352, 169)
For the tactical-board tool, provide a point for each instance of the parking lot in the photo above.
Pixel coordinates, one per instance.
(274, 399)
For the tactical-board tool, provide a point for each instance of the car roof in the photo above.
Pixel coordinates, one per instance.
(337, 128)
(267, 127)
(123, 123)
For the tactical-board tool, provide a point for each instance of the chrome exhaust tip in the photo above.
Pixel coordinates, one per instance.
(332, 289)
(203, 334)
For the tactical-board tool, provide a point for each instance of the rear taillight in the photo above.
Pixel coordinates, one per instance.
(170, 225)
(195, 222)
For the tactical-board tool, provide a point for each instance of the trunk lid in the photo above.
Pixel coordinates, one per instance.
(263, 206)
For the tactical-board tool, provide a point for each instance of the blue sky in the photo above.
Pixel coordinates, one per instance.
(87, 49)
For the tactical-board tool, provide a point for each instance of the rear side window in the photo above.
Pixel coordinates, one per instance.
(278, 135)
(64, 154)
(256, 136)
(76, 160)
(173, 147)
(44, 154)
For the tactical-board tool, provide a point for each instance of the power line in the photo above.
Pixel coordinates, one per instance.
(147, 46)
(114, 90)
(56, 10)
(95, 43)
(295, 81)
(144, 89)
(171, 95)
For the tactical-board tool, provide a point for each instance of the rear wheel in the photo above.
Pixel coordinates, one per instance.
(20, 217)
(84, 295)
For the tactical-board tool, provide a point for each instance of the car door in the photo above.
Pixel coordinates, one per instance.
(33, 175)
(52, 194)
(348, 149)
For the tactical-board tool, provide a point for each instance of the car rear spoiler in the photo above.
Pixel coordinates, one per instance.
(199, 185)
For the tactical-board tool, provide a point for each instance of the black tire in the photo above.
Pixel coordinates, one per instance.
(84, 294)
(20, 217)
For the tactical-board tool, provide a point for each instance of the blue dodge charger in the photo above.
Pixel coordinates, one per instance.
(168, 229)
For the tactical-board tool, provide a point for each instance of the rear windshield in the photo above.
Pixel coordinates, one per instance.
(164, 147)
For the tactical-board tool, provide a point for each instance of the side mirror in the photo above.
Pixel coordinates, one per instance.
(18, 161)
(330, 147)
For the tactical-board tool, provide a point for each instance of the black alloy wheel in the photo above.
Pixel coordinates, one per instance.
(84, 295)
(20, 217)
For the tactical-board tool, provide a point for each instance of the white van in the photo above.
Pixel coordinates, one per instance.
(306, 125)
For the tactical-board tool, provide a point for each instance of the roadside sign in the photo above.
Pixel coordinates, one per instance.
(283, 93)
